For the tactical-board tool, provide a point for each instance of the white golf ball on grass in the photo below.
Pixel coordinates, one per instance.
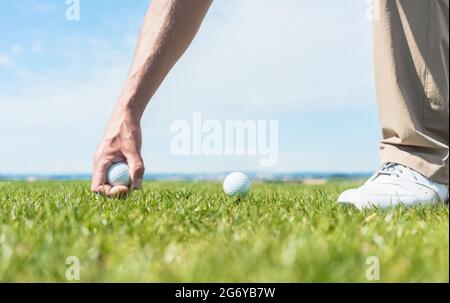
(237, 185)
(118, 174)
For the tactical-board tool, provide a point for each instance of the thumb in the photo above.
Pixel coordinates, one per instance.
(137, 169)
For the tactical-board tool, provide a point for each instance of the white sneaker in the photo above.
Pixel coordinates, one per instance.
(395, 184)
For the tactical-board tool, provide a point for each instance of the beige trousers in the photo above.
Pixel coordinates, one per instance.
(411, 71)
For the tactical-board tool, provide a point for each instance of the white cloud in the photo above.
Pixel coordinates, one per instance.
(41, 6)
(5, 61)
(8, 63)
(276, 55)
(54, 125)
(17, 49)
(253, 59)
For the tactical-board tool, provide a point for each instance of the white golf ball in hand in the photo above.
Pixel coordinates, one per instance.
(118, 174)
(236, 184)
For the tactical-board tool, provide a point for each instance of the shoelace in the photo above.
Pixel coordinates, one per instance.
(391, 169)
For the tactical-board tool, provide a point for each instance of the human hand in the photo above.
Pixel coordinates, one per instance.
(121, 142)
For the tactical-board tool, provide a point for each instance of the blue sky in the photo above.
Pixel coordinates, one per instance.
(307, 64)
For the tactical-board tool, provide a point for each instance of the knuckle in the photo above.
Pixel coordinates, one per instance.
(139, 168)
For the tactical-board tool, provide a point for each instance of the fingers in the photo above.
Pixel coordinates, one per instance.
(112, 192)
(119, 192)
(99, 185)
(103, 189)
(137, 169)
(99, 177)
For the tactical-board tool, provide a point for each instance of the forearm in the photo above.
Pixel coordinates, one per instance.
(168, 29)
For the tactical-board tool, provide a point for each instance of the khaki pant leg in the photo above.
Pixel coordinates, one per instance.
(411, 71)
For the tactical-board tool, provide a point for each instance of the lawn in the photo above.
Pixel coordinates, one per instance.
(191, 232)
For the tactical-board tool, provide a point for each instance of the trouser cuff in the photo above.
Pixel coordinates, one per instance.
(433, 171)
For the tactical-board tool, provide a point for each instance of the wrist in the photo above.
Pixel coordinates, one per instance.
(133, 99)
(122, 121)
(128, 110)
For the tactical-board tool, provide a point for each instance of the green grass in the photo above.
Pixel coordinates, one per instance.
(187, 232)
